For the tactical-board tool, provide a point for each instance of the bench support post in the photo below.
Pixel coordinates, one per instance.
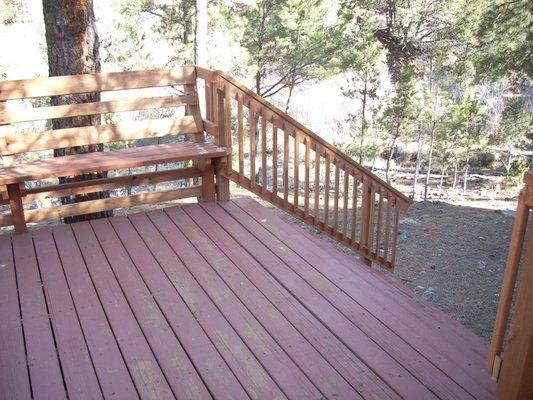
(17, 209)
(208, 183)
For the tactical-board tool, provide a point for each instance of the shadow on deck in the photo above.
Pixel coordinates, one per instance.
(217, 300)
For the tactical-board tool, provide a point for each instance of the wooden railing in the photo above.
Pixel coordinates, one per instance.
(511, 363)
(283, 162)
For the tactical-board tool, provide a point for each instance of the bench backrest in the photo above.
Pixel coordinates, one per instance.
(12, 142)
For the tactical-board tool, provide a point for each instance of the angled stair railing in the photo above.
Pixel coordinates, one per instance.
(286, 164)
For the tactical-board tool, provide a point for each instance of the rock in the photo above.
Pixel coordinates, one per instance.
(507, 213)
(408, 221)
(402, 235)
(429, 293)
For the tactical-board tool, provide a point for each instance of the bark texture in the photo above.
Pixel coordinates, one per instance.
(73, 48)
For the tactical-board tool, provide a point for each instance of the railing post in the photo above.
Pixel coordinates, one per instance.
(512, 365)
(515, 381)
(223, 117)
(508, 284)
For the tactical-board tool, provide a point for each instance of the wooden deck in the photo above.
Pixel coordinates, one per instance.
(223, 301)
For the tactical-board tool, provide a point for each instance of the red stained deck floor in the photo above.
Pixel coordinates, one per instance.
(222, 301)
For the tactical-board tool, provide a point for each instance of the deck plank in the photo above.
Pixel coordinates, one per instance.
(250, 373)
(109, 365)
(338, 310)
(368, 385)
(309, 360)
(149, 380)
(175, 364)
(216, 374)
(280, 367)
(14, 379)
(78, 370)
(466, 372)
(43, 363)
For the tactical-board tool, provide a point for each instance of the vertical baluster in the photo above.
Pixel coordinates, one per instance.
(208, 101)
(378, 223)
(326, 193)
(317, 186)
(336, 197)
(251, 129)
(306, 177)
(263, 151)
(346, 194)
(367, 216)
(240, 136)
(275, 160)
(355, 193)
(387, 228)
(371, 215)
(296, 164)
(395, 233)
(286, 166)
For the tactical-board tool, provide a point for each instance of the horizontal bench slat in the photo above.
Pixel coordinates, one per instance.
(15, 143)
(102, 107)
(109, 160)
(115, 182)
(92, 206)
(70, 84)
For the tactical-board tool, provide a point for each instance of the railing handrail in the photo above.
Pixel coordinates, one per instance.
(404, 201)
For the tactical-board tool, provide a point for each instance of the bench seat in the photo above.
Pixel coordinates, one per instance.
(109, 160)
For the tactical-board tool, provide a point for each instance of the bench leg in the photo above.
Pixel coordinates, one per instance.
(17, 210)
(223, 191)
(208, 183)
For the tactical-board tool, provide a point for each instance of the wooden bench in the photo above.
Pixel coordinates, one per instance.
(204, 154)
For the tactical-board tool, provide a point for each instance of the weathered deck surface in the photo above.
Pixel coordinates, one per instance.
(225, 301)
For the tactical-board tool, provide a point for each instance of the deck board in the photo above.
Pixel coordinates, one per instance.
(77, 366)
(225, 301)
(14, 380)
(43, 363)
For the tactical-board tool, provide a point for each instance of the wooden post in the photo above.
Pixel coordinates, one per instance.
(516, 376)
(509, 280)
(17, 209)
(208, 183)
(223, 115)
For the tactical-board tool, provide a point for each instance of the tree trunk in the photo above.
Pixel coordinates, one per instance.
(363, 123)
(289, 97)
(391, 153)
(465, 178)
(200, 33)
(455, 171)
(72, 43)
(442, 172)
(432, 135)
(418, 160)
(430, 162)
